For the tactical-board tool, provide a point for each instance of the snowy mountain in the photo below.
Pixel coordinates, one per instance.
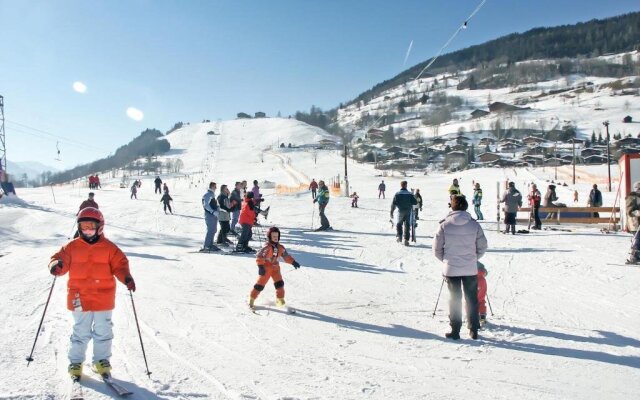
(563, 323)
(32, 168)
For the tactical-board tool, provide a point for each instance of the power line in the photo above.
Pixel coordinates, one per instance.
(50, 136)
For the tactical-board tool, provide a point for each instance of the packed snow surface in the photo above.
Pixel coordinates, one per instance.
(565, 322)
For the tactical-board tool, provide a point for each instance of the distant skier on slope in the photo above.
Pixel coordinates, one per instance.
(166, 201)
(247, 218)
(269, 267)
(92, 262)
(512, 199)
(323, 200)
(158, 183)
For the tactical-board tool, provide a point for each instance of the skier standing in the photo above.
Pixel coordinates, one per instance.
(632, 202)
(595, 199)
(465, 244)
(549, 199)
(247, 218)
(512, 199)
(419, 200)
(313, 186)
(235, 203)
(322, 199)
(134, 190)
(158, 183)
(404, 200)
(92, 262)
(381, 188)
(477, 201)
(354, 200)
(88, 202)
(482, 293)
(269, 267)
(225, 215)
(166, 199)
(165, 188)
(210, 206)
(535, 197)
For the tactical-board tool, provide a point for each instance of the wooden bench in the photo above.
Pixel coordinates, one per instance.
(575, 215)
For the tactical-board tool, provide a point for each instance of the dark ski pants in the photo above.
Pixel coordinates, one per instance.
(225, 227)
(536, 217)
(634, 254)
(381, 193)
(245, 236)
(158, 189)
(457, 285)
(510, 222)
(313, 193)
(324, 222)
(403, 220)
(167, 205)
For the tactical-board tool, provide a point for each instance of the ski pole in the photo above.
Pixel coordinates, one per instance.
(73, 228)
(488, 302)
(437, 300)
(313, 215)
(135, 314)
(30, 358)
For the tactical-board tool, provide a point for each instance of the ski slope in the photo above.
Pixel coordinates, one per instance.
(565, 323)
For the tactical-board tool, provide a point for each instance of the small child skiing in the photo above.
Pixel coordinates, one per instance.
(269, 267)
(92, 262)
(354, 200)
(482, 293)
(166, 199)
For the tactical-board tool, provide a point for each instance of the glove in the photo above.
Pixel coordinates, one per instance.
(131, 284)
(55, 267)
(296, 265)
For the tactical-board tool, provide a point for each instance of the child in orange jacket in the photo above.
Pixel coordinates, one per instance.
(269, 267)
(93, 262)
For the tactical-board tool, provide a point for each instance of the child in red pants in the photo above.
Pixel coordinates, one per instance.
(269, 267)
(482, 293)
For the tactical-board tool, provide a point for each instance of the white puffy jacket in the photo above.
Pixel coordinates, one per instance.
(459, 243)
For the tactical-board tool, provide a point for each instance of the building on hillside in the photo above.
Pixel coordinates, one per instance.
(375, 135)
(508, 147)
(626, 142)
(260, 114)
(534, 160)
(595, 159)
(590, 152)
(627, 119)
(455, 159)
(439, 140)
(486, 140)
(242, 115)
(532, 140)
(499, 107)
(488, 157)
(479, 113)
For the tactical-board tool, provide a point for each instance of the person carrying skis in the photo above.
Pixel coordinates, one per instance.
(381, 188)
(166, 199)
(512, 200)
(482, 293)
(313, 186)
(210, 206)
(158, 183)
(404, 200)
(225, 215)
(477, 201)
(269, 267)
(322, 199)
(632, 210)
(247, 217)
(93, 263)
(465, 244)
(535, 197)
(354, 199)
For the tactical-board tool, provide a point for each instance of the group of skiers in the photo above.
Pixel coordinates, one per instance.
(94, 182)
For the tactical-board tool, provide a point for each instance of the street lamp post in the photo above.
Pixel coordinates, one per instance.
(606, 125)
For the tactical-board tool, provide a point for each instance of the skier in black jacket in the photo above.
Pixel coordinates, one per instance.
(404, 200)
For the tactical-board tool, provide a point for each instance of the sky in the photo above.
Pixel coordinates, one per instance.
(86, 77)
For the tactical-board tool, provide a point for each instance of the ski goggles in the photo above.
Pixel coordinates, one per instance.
(88, 225)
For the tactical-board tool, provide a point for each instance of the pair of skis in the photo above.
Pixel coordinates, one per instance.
(77, 392)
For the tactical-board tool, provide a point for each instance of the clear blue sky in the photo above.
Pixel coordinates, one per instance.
(194, 60)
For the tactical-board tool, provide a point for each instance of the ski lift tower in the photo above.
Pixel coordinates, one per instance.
(3, 146)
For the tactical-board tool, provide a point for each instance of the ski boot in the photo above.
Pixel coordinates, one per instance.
(406, 243)
(483, 320)
(455, 331)
(398, 239)
(280, 302)
(473, 334)
(252, 302)
(102, 367)
(75, 370)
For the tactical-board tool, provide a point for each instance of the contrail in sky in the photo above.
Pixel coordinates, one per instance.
(407, 55)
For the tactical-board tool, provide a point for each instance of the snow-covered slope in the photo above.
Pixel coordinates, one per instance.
(565, 323)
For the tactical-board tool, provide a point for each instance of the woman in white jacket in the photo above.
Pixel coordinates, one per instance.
(459, 243)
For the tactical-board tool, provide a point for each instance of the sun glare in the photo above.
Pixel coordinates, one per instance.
(135, 114)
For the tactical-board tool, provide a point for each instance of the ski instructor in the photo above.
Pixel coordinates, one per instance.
(323, 199)
(404, 200)
(92, 262)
